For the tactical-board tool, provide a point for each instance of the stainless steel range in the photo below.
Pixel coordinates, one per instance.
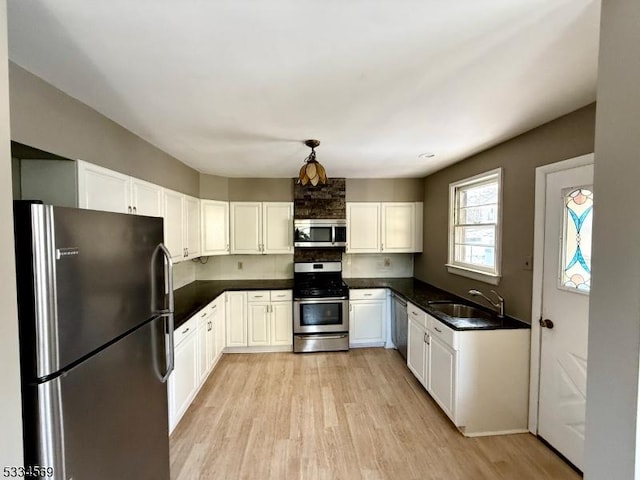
(320, 308)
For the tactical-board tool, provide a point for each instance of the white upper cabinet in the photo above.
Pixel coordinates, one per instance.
(191, 233)
(246, 227)
(398, 227)
(214, 227)
(181, 225)
(260, 228)
(103, 189)
(394, 227)
(363, 227)
(277, 227)
(146, 198)
(173, 224)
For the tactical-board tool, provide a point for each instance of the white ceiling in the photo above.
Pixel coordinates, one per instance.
(233, 87)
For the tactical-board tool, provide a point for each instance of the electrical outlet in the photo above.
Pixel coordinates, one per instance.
(387, 262)
(240, 265)
(528, 263)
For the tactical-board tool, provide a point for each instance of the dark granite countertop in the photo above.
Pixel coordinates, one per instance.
(197, 295)
(420, 294)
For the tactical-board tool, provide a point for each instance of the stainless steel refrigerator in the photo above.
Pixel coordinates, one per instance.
(96, 333)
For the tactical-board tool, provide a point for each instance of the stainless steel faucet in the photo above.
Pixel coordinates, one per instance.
(499, 305)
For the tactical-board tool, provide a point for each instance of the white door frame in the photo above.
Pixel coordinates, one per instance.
(538, 259)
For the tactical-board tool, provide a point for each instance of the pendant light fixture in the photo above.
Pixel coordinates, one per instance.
(312, 172)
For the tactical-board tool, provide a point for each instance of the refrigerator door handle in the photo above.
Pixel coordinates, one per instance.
(169, 327)
(168, 314)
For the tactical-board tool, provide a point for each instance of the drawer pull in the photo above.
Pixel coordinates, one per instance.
(415, 313)
(437, 329)
(185, 330)
(258, 296)
(368, 294)
(203, 315)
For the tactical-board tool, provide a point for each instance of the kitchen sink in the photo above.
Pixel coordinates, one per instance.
(460, 310)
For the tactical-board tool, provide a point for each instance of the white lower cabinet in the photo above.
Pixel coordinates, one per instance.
(478, 377)
(183, 381)
(265, 317)
(417, 350)
(197, 348)
(367, 317)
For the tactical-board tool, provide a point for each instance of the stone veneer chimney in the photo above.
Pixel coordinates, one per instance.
(321, 201)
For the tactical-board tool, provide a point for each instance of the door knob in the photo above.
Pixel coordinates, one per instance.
(546, 323)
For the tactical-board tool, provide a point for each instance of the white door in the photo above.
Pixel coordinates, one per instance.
(246, 227)
(103, 189)
(398, 227)
(281, 323)
(366, 322)
(277, 227)
(258, 324)
(146, 198)
(174, 224)
(192, 226)
(363, 227)
(215, 227)
(417, 350)
(565, 310)
(236, 319)
(441, 374)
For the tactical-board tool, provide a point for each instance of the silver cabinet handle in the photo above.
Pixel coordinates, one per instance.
(135, 210)
(227, 247)
(368, 294)
(187, 249)
(382, 246)
(129, 208)
(258, 296)
(437, 329)
(424, 337)
(203, 315)
(185, 331)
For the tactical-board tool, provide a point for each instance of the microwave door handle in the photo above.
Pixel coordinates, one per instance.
(333, 234)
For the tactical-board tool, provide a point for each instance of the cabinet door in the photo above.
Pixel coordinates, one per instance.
(103, 189)
(183, 379)
(214, 226)
(367, 322)
(282, 323)
(246, 227)
(146, 198)
(218, 317)
(442, 375)
(363, 227)
(173, 224)
(277, 227)
(211, 340)
(258, 324)
(236, 319)
(202, 350)
(417, 348)
(192, 226)
(398, 227)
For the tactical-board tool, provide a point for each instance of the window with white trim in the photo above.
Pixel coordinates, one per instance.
(474, 227)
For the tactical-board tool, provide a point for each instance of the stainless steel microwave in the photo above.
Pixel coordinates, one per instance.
(320, 233)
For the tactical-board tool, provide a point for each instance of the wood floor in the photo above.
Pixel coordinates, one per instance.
(355, 415)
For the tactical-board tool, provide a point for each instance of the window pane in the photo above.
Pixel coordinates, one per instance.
(576, 245)
(484, 235)
(479, 195)
(486, 214)
(475, 255)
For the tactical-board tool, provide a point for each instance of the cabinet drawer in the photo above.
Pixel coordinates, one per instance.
(367, 294)
(215, 305)
(259, 296)
(417, 314)
(440, 330)
(185, 330)
(281, 295)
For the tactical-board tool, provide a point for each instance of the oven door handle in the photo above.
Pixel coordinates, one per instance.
(323, 336)
(320, 300)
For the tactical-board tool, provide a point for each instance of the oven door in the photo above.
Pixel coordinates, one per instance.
(321, 315)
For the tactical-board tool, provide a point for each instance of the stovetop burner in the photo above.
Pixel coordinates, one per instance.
(319, 280)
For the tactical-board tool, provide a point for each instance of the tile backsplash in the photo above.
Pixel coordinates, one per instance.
(183, 273)
(245, 267)
(377, 265)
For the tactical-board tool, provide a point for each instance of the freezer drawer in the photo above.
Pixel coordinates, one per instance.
(108, 414)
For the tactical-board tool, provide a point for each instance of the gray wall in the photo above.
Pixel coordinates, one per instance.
(46, 118)
(561, 139)
(385, 189)
(15, 178)
(614, 319)
(214, 187)
(10, 411)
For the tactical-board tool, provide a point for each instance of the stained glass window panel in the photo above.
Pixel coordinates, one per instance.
(576, 245)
